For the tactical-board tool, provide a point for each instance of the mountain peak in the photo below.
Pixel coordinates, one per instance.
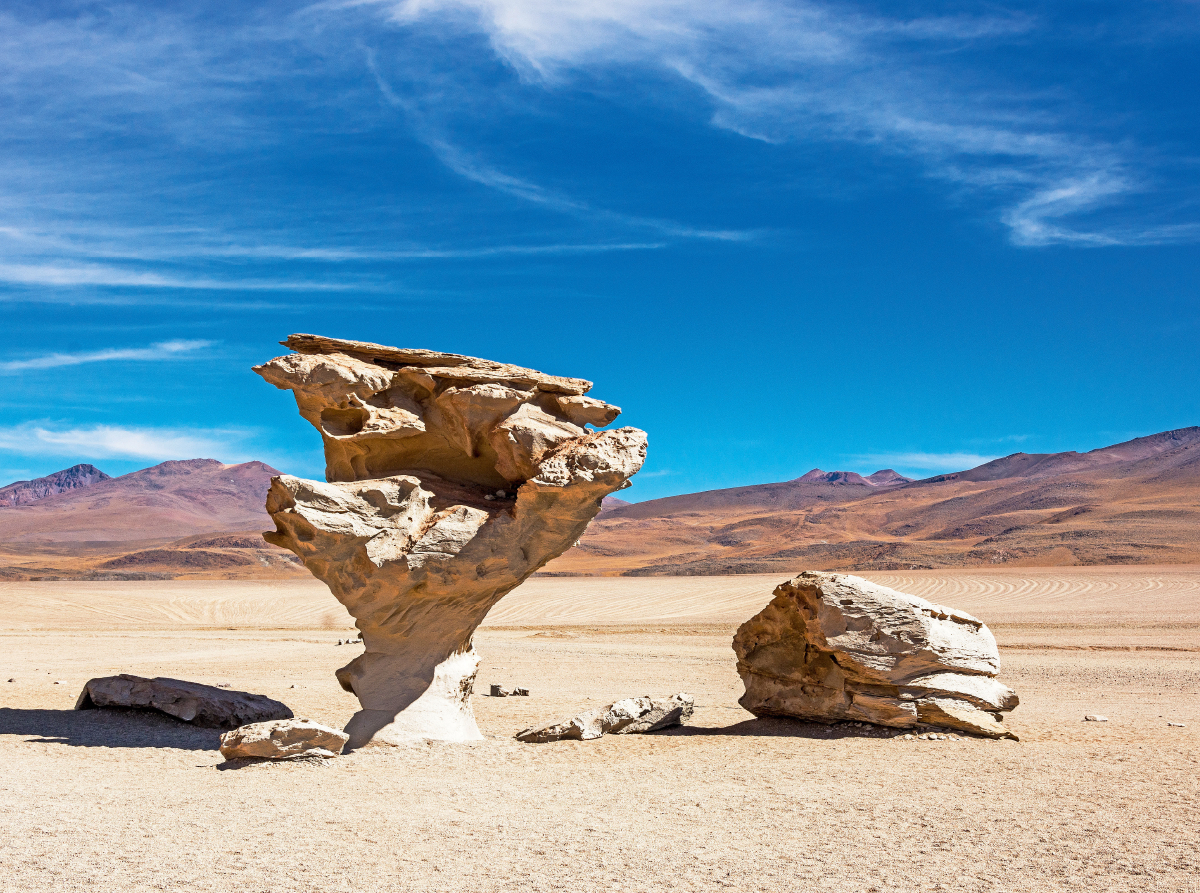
(74, 478)
(816, 476)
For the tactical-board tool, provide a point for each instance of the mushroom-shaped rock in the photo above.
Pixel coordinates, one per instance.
(450, 480)
(834, 648)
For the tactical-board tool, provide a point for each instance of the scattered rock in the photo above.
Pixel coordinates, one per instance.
(403, 531)
(834, 647)
(1095, 717)
(59, 682)
(500, 691)
(282, 739)
(201, 705)
(626, 717)
(1177, 725)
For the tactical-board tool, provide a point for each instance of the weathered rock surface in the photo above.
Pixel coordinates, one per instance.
(624, 717)
(282, 739)
(450, 480)
(201, 705)
(833, 648)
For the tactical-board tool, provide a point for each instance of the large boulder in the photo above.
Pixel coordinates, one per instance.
(834, 647)
(450, 480)
(282, 739)
(200, 705)
(625, 717)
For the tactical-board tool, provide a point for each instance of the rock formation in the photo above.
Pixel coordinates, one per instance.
(626, 717)
(833, 648)
(283, 739)
(450, 480)
(200, 705)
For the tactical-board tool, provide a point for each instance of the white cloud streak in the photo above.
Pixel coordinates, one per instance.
(163, 350)
(116, 442)
(68, 275)
(931, 463)
(782, 72)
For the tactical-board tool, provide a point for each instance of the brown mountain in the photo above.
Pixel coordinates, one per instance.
(159, 521)
(168, 501)
(74, 478)
(1135, 502)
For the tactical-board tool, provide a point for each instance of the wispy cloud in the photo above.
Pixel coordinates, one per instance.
(475, 169)
(798, 71)
(95, 274)
(117, 442)
(163, 350)
(922, 463)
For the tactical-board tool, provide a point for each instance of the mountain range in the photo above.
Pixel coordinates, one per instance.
(1136, 502)
(1133, 503)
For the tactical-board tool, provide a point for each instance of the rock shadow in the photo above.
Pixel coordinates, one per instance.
(106, 727)
(782, 727)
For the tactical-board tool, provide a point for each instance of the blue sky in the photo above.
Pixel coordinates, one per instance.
(779, 235)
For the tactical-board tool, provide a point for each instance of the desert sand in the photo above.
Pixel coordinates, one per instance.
(131, 802)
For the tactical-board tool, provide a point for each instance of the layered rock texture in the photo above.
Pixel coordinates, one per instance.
(833, 648)
(450, 480)
(282, 739)
(629, 716)
(201, 705)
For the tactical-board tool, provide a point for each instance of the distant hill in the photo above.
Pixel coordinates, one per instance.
(814, 488)
(1134, 502)
(168, 501)
(74, 478)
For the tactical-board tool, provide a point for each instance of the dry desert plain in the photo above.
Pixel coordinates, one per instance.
(131, 802)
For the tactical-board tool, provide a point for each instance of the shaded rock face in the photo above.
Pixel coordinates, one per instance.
(833, 647)
(282, 739)
(200, 705)
(629, 716)
(450, 481)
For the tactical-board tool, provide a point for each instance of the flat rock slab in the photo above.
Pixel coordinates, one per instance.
(282, 739)
(625, 717)
(200, 705)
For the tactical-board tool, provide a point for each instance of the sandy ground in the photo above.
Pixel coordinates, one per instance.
(100, 801)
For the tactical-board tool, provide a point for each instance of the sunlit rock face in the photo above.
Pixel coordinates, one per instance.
(450, 480)
(834, 647)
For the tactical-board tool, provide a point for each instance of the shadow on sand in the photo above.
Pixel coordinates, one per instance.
(109, 727)
(781, 727)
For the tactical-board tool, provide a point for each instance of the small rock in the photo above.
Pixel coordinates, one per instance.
(1095, 717)
(489, 497)
(501, 494)
(521, 692)
(1177, 725)
(12, 680)
(59, 682)
(630, 716)
(909, 737)
(282, 739)
(498, 691)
